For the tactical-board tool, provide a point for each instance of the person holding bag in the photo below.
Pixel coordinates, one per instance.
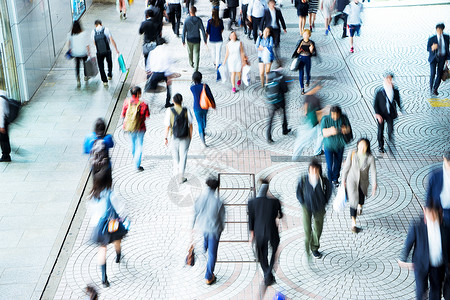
(303, 51)
(355, 177)
(107, 215)
(200, 113)
(79, 49)
(236, 59)
(266, 55)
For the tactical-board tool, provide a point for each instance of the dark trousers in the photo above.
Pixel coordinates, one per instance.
(305, 63)
(77, 65)
(361, 201)
(4, 143)
(437, 67)
(175, 17)
(276, 33)
(262, 249)
(334, 161)
(244, 17)
(342, 16)
(232, 17)
(153, 81)
(436, 276)
(256, 23)
(101, 65)
(390, 130)
(280, 105)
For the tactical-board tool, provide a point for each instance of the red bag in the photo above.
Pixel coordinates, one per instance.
(205, 102)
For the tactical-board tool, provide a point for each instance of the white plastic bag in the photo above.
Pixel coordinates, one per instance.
(340, 200)
(246, 75)
(223, 70)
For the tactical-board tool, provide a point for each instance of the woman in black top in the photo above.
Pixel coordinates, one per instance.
(302, 12)
(304, 50)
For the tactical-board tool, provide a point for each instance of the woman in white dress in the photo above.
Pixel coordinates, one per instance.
(236, 59)
(327, 7)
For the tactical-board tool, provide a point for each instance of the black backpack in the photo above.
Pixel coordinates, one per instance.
(180, 127)
(275, 88)
(14, 107)
(101, 42)
(99, 158)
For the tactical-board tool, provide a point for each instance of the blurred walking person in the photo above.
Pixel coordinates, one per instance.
(334, 127)
(353, 11)
(355, 177)
(255, 14)
(209, 215)
(178, 122)
(192, 27)
(105, 208)
(134, 113)
(4, 136)
(327, 7)
(273, 18)
(175, 15)
(122, 6)
(276, 89)
(235, 56)
(310, 133)
(302, 7)
(385, 105)
(439, 53)
(151, 30)
(313, 193)
(438, 191)
(304, 50)
(266, 55)
(200, 113)
(262, 214)
(430, 255)
(340, 6)
(244, 13)
(312, 11)
(214, 30)
(97, 145)
(79, 49)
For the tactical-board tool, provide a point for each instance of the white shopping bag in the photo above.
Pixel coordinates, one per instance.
(340, 200)
(223, 70)
(246, 75)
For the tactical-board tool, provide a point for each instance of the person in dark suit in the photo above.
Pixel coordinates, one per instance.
(439, 53)
(232, 6)
(262, 213)
(272, 18)
(430, 255)
(340, 6)
(386, 101)
(438, 192)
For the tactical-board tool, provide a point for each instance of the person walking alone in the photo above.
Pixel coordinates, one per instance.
(255, 14)
(209, 215)
(262, 214)
(79, 49)
(439, 53)
(4, 137)
(385, 105)
(266, 55)
(178, 121)
(313, 193)
(235, 56)
(355, 177)
(102, 39)
(304, 50)
(214, 30)
(151, 29)
(276, 89)
(200, 113)
(134, 112)
(353, 11)
(192, 27)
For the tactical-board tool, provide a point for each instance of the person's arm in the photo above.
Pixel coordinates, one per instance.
(376, 107)
(114, 44)
(280, 16)
(430, 188)
(227, 52)
(280, 211)
(328, 188)
(346, 168)
(409, 243)
(300, 197)
(397, 99)
(243, 60)
(346, 128)
(141, 28)
(327, 132)
(251, 216)
(183, 35)
(202, 28)
(208, 29)
(373, 175)
(431, 46)
(124, 108)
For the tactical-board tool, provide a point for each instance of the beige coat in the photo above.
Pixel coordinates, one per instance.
(355, 175)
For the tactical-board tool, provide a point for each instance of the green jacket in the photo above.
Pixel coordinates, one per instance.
(334, 142)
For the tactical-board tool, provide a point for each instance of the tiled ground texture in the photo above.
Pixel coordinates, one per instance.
(353, 266)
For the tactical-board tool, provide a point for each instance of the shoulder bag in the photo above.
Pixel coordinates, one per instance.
(205, 102)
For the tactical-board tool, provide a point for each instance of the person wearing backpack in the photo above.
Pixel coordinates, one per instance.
(102, 39)
(134, 112)
(178, 122)
(275, 90)
(97, 144)
(4, 137)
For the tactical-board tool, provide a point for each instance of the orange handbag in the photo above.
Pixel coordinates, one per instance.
(205, 102)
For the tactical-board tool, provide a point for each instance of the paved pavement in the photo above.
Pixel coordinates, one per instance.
(359, 266)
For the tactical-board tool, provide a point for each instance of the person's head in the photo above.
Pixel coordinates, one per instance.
(440, 28)
(363, 146)
(100, 127)
(212, 183)
(267, 32)
(233, 36)
(192, 10)
(98, 23)
(76, 28)
(102, 180)
(136, 91)
(388, 78)
(197, 77)
(315, 169)
(432, 212)
(149, 13)
(177, 99)
(306, 34)
(447, 160)
(272, 4)
(335, 112)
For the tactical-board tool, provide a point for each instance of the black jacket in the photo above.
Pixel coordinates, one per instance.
(267, 19)
(315, 199)
(262, 212)
(433, 55)
(379, 104)
(418, 237)
(341, 4)
(151, 29)
(295, 54)
(232, 3)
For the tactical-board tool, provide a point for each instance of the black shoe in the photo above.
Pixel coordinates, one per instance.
(317, 254)
(5, 159)
(105, 283)
(307, 84)
(356, 229)
(140, 169)
(286, 132)
(344, 35)
(270, 141)
(320, 153)
(381, 150)
(303, 91)
(118, 256)
(269, 281)
(168, 105)
(435, 92)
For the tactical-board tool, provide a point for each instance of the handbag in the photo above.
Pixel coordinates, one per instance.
(190, 258)
(91, 67)
(122, 65)
(205, 102)
(246, 75)
(295, 64)
(445, 73)
(68, 54)
(340, 200)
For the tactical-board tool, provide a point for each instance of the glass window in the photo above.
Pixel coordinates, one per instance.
(78, 8)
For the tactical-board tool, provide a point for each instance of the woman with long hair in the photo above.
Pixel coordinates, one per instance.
(266, 55)
(236, 59)
(214, 29)
(304, 50)
(355, 177)
(79, 48)
(107, 214)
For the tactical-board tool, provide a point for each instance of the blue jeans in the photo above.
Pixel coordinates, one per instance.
(334, 161)
(201, 115)
(137, 139)
(211, 243)
(305, 61)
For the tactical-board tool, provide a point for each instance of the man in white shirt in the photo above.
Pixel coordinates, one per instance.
(353, 11)
(4, 137)
(255, 14)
